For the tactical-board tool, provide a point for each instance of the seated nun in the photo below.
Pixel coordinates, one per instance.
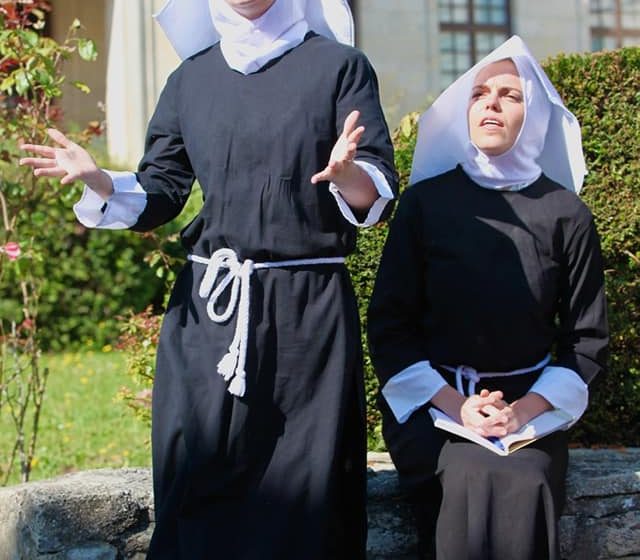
(489, 305)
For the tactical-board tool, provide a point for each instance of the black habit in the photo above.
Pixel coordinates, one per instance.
(280, 472)
(494, 280)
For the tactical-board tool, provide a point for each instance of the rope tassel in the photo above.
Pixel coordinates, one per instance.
(227, 366)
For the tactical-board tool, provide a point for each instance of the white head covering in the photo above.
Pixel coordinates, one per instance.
(193, 25)
(549, 141)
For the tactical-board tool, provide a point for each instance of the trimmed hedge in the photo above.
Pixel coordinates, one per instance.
(603, 91)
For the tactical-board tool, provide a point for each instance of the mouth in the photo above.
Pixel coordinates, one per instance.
(491, 123)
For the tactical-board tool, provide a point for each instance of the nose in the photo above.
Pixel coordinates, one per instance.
(492, 101)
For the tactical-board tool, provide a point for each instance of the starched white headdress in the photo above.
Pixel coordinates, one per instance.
(190, 28)
(443, 136)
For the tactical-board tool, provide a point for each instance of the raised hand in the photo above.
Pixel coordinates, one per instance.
(343, 151)
(69, 161)
(354, 184)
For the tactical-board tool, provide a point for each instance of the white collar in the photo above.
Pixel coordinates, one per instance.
(247, 45)
(189, 24)
(443, 137)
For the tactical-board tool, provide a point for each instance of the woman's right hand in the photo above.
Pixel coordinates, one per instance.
(486, 414)
(69, 161)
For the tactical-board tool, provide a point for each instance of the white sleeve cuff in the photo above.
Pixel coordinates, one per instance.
(123, 208)
(408, 390)
(564, 389)
(383, 188)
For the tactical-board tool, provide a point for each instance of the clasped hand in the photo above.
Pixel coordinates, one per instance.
(489, 415)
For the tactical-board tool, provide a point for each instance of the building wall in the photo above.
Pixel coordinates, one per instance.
(552, 26)
(400, 38)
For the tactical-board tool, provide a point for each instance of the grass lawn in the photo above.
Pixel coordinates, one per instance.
(83, 426)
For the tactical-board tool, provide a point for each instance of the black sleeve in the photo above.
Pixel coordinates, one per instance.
(397, 303)
(583, 335)
(358, 90)
(165, 171)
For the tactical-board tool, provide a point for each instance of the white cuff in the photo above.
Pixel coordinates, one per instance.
(123, 208)
(564, 389)
(408, 390)
(383, 188)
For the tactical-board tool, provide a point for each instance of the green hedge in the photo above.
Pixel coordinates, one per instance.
(603, 91)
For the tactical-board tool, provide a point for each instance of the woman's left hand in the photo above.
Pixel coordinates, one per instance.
(355, 185)
(519, 412)
(341, 167)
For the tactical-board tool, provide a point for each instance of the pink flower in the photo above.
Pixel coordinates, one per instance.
(12, 250)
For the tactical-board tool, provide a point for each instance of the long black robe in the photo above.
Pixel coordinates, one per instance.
(494, 280)
(278, 473)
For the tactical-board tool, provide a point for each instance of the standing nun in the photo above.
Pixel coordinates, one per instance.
(259, 447)
(489, 304)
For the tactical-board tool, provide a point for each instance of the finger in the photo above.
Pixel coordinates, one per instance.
(490, 410)
(356, 135)
(38, 162)
(45, 151)
(351, 152)
(68, 179)
(50, 172)
(321, 176)
(350, 122)
(60, 138)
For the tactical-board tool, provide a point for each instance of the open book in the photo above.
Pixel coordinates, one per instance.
(536, 428)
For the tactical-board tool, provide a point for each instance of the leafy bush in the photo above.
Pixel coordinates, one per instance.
(30, 79)
(603, 90)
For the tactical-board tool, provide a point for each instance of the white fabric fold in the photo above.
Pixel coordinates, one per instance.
(247, 45)
(411, 388)
(120, 211)
(443, 134)
(374, 213)
(564, 389)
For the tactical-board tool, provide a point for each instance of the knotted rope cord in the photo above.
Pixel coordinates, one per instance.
(473, 376)
(232, 364)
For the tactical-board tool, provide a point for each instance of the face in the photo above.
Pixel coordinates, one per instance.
(250, 9)
(496, 108)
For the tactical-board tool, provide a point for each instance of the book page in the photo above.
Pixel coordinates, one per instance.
(538, 427)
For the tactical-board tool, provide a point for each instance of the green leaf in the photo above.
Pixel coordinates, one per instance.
(29, 37)
(7, 84)
(22, 82)
(84, 88)
(87, 49)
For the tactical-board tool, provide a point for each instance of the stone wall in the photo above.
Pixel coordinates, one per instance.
(108, 514)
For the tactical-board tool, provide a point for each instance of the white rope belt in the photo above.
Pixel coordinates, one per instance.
(232, 364)
(473, 376)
